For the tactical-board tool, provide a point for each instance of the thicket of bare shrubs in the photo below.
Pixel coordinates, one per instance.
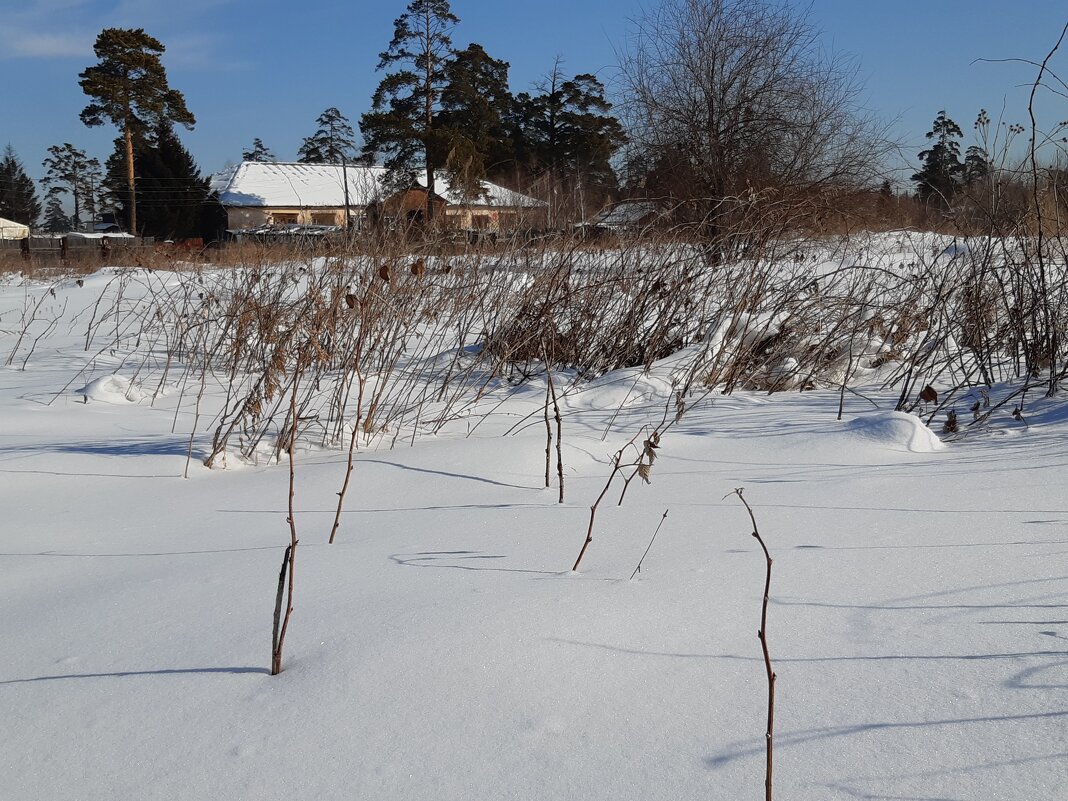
(386, 346)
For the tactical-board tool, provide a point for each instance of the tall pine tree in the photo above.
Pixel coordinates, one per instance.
(475, 107)
(129, 89)
(942, 171)
(567, 130)
(332, 142)
(400, 125)
(18, 195)
(70, 171)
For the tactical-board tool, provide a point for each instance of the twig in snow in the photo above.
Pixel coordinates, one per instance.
(638, 569)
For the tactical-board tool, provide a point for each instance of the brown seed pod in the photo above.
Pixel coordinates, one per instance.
(418, 268)
(383, 273)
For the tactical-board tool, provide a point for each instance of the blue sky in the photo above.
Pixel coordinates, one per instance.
(268, 68)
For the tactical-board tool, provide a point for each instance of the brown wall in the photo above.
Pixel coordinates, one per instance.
(252, 217)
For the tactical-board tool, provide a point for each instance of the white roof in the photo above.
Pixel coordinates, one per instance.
(9, 229)
(286, 185)
(493, 195)
(86, 235)
(293, 185)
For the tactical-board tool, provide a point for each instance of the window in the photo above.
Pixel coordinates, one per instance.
(284, 218)
(324, 218)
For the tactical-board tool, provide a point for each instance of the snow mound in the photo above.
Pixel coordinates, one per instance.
(897, 431)
(111, 389)
(623, 389)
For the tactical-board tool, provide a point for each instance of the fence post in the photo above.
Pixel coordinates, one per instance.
(24, 247)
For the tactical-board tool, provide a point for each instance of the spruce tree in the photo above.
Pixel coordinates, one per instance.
(70, 171)
(406, 102)
(56, 220)
(18, 195)
(976, 165)
(332, 143)
(942, 170)
(129, 89)
(258, 152)
(170, 192)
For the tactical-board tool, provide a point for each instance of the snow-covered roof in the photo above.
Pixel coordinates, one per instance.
(293, 185)
(493, 195)
(99, 235)
(9, 229)
(626, 213)
(290, 185)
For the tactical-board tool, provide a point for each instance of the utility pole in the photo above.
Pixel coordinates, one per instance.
(345, 181)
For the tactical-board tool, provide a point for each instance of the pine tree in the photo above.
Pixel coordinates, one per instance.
(18, 195)
(129, 89)
(70, 171)
(401, 122)
(475, 107)
(258, 152)
(568, 129)
(332, 143)
(942, 169)
(56, 220)
(170, 193)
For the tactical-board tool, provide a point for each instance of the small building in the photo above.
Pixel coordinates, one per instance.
(628, 216)
(276, 194)
(9, 229)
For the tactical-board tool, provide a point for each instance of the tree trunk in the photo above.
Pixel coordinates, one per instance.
(77, 205)
(130, 178)
(428, 88)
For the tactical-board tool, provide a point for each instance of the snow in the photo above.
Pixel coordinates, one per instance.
(897, 431)
(442, 649)
(111, 389)
(97, 237)
(294, 185)
(290, 185)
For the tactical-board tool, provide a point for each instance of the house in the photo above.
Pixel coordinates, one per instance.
(628, 216)
(9, 229)
(257, 194)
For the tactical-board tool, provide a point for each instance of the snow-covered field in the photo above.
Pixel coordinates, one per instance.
(441, 648)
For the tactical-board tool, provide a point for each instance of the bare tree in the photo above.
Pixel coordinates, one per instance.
(732, 100)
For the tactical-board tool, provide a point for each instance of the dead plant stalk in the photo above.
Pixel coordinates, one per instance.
(762, 634)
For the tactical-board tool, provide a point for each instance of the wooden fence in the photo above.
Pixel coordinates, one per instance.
(58, 252)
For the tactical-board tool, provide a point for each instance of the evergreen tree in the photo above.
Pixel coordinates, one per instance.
(475, 107)
(170, 194)
(332, 143)
(942, 169)
(70, 171)
(18, 195)
(567, 128)
(129, 88)
(259, 151)
(56, 220)
(406, 102)
(976, 165)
